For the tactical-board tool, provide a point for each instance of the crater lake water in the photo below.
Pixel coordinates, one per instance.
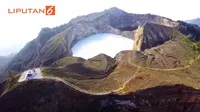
(106, 43)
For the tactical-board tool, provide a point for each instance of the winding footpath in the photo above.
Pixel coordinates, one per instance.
(90, 92)
(39, 76)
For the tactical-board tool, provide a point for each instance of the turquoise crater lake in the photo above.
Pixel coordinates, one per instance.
(106, 43)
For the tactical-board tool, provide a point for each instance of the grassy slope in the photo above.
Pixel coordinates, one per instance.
(68, 60)
(151, 78)
(188, 75)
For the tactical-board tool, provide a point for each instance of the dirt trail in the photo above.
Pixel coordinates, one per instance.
(89, 92)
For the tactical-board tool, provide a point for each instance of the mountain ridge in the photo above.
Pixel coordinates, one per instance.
(194, 21)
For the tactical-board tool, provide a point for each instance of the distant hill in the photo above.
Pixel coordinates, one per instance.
(194, 21)
(5, 60)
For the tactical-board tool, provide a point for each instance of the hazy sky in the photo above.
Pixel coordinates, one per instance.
(18, 29)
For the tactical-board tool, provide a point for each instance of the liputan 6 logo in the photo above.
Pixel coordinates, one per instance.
(48, 10)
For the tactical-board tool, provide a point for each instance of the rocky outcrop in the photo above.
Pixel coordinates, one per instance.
(150, 35)
(131, 57)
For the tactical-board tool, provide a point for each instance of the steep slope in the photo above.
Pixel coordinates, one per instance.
(150, 35)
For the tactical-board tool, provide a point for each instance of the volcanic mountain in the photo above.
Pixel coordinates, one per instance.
(160, 74)
(56, 43)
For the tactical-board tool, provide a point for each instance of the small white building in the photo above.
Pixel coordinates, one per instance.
(27, 75)
(30, 74)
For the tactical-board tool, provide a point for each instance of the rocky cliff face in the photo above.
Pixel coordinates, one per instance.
(150, 35)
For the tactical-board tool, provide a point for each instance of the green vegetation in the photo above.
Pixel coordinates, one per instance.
(194, 46)
(65, 75)
(189, 49)
(49, 71)
(68, 60)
